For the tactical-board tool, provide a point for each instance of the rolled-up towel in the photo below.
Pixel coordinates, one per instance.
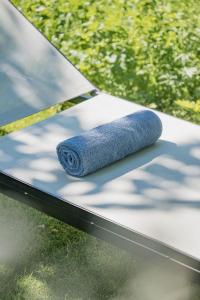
(105, 144)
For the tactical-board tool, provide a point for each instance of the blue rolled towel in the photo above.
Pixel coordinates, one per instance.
(105, 144)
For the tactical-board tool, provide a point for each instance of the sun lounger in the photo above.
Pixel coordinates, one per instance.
(147, 203)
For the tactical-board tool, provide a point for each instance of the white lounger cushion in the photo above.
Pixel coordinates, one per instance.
(33, 74)
(155, 192)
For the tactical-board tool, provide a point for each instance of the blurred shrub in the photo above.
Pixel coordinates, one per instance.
(144, 50)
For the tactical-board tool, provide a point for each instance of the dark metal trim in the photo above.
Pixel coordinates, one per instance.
(139, 245)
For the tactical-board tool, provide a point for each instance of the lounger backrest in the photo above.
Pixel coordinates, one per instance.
(33, 73)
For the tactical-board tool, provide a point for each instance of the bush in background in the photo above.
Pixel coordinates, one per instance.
(143, 50)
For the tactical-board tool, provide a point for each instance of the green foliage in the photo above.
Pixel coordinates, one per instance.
(37, 117)
(44, 259)
(190, 110)
(144, 50)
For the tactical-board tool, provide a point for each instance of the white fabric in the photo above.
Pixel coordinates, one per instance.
(33, 74)
(155, 192)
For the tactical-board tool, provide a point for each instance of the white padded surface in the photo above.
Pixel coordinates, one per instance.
(155, 192)
(33, 74)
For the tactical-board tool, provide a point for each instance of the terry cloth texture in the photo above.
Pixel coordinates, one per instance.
(105, 144)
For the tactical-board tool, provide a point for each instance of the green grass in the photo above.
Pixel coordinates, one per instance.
(42, 258)
(144, 50)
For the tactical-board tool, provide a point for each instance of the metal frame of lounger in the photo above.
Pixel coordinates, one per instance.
(140, 245)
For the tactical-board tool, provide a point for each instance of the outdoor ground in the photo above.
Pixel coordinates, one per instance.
(147, 51)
